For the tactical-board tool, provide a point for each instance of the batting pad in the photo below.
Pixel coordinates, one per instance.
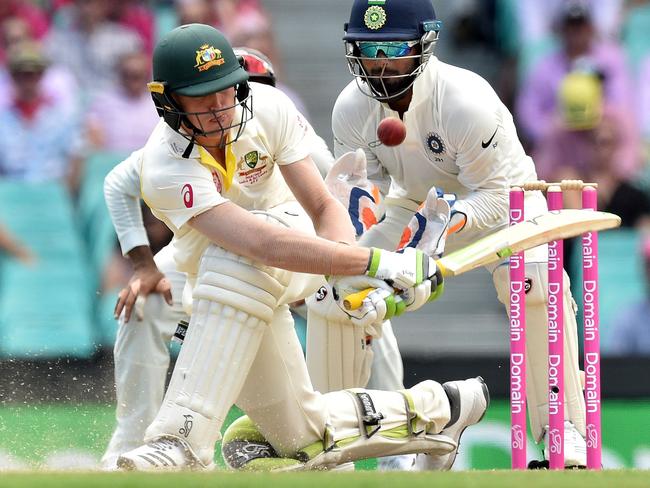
(361, 424)
(233, 304)
(537, 348)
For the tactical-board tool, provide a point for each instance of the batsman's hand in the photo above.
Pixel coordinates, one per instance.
(415, 276)
(401, 270)
(145, 280)
(380, 304)
(348, 181)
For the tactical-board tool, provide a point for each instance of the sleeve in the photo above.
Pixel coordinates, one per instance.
(179, 196)
(347, 126)
(320, 153)
(292, 143)
(122, 195)
(479, 136)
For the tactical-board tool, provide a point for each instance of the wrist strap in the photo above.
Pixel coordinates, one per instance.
(373, 262)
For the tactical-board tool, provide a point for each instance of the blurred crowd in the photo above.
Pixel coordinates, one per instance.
(575, 74)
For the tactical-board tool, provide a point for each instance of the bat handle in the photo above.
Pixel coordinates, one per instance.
(353, 301)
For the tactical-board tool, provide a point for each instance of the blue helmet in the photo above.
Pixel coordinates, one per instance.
(386, 30)
(390, 20)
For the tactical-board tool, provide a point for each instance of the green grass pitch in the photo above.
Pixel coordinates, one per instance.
(472, 479)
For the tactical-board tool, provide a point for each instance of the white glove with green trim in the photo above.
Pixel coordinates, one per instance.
(413, 272)
(402, 270)
(379, 305)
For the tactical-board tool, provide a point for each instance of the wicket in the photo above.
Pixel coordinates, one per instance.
(517, 313)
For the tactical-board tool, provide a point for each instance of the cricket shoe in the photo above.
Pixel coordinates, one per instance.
(468, 402)
(163, 454)
(575, 447)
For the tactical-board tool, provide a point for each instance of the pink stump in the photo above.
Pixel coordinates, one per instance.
(555, 438)
(517, 315)
(591, 325)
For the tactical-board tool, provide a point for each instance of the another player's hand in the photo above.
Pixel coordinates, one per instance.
(145, 280)
(348, 181)
(379, 305)
(433, 222)
(428, 228)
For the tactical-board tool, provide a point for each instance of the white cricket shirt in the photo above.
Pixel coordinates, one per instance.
(177, 189)
(460, 138)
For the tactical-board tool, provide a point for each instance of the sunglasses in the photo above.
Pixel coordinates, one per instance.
(391, 49)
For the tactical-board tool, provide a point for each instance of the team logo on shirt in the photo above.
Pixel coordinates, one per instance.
(207, 57)
(252, 167)
(435, 144)
(375, 17)
(251, 158)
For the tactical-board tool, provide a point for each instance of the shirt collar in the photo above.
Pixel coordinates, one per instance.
(178, 144)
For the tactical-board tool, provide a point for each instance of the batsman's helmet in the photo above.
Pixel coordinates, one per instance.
(257, 65)
(390, 28)
(196, 60)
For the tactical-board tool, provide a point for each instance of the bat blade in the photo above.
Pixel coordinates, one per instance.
(550, 226)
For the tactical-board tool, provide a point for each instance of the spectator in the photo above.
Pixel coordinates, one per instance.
(135, 16)
(242, 18)
(58, 84)
(535, 18)
(580, 49)
(11, 247)
(644, 99)
(39, 137)
(27, 12)
(588, 138)
(237, 19)
(630, 331)
(121, 118)
(89, 44)
(195, 12)
(593, 142)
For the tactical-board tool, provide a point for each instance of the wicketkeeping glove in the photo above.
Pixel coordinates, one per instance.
(434, 220)
(348, 181)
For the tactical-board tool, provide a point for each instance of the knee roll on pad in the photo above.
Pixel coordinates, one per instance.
(236, 281)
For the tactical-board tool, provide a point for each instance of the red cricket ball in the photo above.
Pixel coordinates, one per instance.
(391, 131)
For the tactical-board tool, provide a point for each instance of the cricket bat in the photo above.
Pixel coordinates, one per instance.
(550, 226)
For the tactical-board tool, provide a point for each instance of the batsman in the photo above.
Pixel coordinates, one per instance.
(254, 230)
(454, 170)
